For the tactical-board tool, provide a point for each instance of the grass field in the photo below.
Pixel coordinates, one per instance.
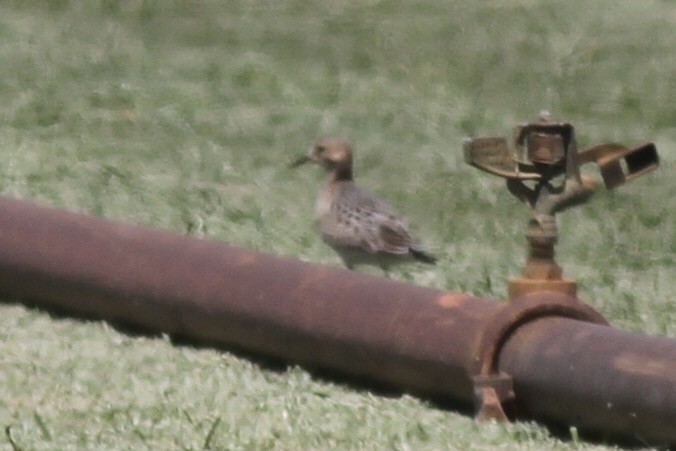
(185, 115)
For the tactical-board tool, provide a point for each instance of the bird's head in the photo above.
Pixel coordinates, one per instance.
(332, 153)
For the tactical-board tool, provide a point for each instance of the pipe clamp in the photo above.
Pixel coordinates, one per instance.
(494, 394)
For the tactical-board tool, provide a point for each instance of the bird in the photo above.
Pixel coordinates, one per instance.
(361, 228)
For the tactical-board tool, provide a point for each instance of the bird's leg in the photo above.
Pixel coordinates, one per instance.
(348, 264)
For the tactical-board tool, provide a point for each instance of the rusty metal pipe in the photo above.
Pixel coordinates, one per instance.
(420, 339)
(417, 337)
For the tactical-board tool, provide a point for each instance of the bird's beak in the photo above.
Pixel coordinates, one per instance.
(299, 162)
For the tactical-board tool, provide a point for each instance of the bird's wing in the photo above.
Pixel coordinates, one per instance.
(395, 238)
(360, 219)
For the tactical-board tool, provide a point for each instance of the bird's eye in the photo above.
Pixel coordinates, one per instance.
(320, 149)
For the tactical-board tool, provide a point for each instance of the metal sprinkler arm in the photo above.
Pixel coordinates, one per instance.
(542, 152)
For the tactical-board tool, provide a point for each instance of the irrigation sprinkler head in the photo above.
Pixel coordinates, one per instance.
(542, 168)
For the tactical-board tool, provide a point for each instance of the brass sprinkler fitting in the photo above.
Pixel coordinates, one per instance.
(542, 168)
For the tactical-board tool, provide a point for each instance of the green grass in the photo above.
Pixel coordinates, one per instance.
(185, 114)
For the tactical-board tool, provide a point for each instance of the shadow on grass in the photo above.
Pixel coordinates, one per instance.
(361, 384)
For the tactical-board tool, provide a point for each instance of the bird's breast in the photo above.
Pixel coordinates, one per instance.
(324, 201)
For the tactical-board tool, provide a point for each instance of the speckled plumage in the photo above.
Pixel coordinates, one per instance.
(361, 228)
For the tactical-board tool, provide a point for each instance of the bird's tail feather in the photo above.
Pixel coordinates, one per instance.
(420, 255)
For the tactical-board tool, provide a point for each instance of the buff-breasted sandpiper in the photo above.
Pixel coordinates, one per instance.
(361, 228)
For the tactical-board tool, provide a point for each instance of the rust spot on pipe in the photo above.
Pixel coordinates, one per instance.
(448, 300)
(643, 365)
(247, 260)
